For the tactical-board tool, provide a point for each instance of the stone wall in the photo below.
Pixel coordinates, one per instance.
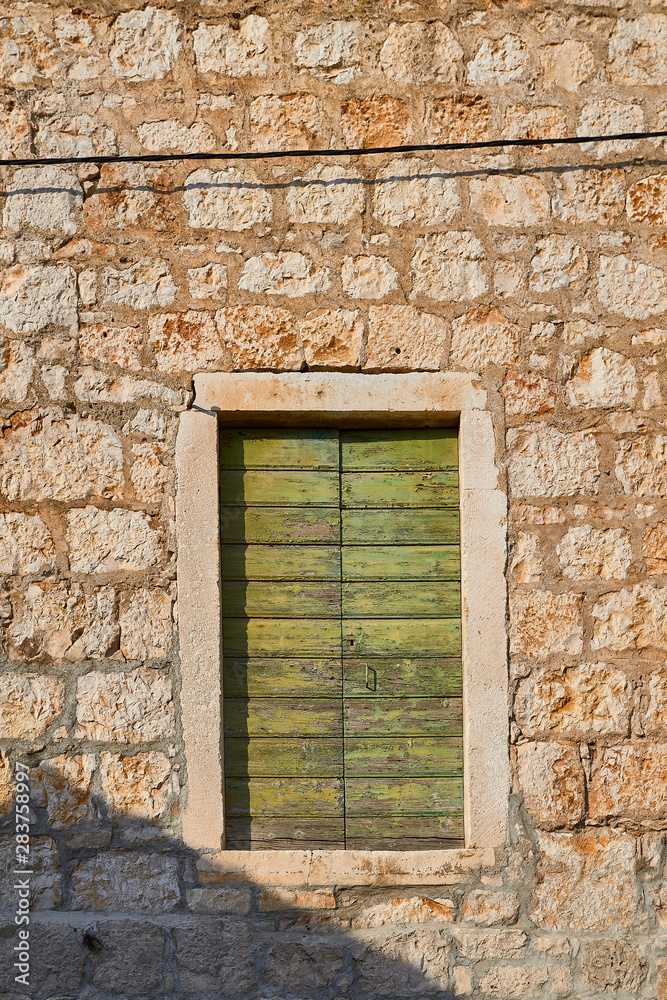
(544, 270)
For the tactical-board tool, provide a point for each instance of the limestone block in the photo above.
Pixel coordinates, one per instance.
(379, 120)
(526, 565)
(402, 338)
(654, 549)
(327, 194)
(558, 263)
(207, 282)
(145, 625)
(34, 297)
(29, 705)
(631, 619)
(585, 881)
(629, 782)
(74, 135)
(647, 200)
(589, 196)
(126, 880)
(47, 199)
(14, 129)
(603, 378)
(411, 192)
(7, 784)
(609, 118)
(64, 787)
(26, 545)
(330, 50)
(152, 481)
(185, 342)
(56, 959)
(499, 61)
(260, 337)
(140, 286)
(545, 462)
(133, 707)
(54, 379)
(413, 910)
(286, 273)
(45, 889)
(46, 455)
(332, 338)
(551, 780)
(417, 53)
(515, 981)
(590, 698)
(234, 52)
(567, 65)
(489, 944)
(532, 395)
(111, 541)
(585, 553)
(127, 194)
(448, 267)
(638, 51)
(136, 787)
(231, 199)
(654, 717)
(368, 277)
(534, 123)
(613, 965)
(543, 623)
(147, 423)
(111, 345)
(220, 899)
(486, 908)
(641, 466)
(215, 955)
(128, 954)
(503, 200)
(631, 288)
(97, 387)
(287, 121)
(303, 965)
(146, 44)
(661, 967)
(463, 118)
(404, 963)
(27, 52)
(52, 621)
(172, 134)
(482, 337)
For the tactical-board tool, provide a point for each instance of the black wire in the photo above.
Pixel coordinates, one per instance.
(374, 150)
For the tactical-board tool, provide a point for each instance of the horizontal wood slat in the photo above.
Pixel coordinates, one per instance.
(276, 757)
(393, 599)
(399, 489)
(403, 717)
(278, 448)
(277, 677)
(280, 562)
(401, 637)
(393, 450)
(270, 489)
(404, 833)
(260, 599)
(282, 717)
(401, 562)
(398, 526)
(259, 833)
(413, 757)
(282, 525)
(394, 796)
(275, 797)
(390, 677)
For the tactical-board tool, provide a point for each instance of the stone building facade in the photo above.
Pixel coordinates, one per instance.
(542, 271)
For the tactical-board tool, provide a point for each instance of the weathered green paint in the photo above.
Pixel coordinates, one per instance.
(390, 677)
(375, 796)
(403, 717)
(259, 833)
(280, 562)
(281, 636)
(397, 600)
(276, 677)
(401, 450)
(281, 600)
(282, 525)
(282, 717)
(278, 448)
(399, 489)
(404, 833)
(398, 526)
(274, 757)
(407, 757)
(401, 637)
(284, 797)
(401, 562)
(270, 489)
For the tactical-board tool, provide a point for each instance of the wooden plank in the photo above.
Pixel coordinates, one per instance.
(276, 757)
(404, 833)
(397, 526)
(274, 797)
(410, 757)
(280, 562)
(275, 677)
(401, 562)
(400, 489)
(282, 717)
(281, 636)
(259, 834)
(401, 637)
(398, 449)
(278, 448)
(272, 489)
(394, 796)
(280, 600)
(402, 600)
(285, 525)
(386, 717)
(389, 677)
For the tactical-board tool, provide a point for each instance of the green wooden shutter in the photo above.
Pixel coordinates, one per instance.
(341, 635)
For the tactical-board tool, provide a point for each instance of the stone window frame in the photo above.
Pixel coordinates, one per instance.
(354, 400)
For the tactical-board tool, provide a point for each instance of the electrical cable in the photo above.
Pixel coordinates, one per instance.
(271, 154)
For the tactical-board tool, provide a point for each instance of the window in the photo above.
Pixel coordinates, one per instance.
(341, 638)
(337, 400)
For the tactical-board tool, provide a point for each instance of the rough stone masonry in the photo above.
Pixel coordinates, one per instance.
(543, 270)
